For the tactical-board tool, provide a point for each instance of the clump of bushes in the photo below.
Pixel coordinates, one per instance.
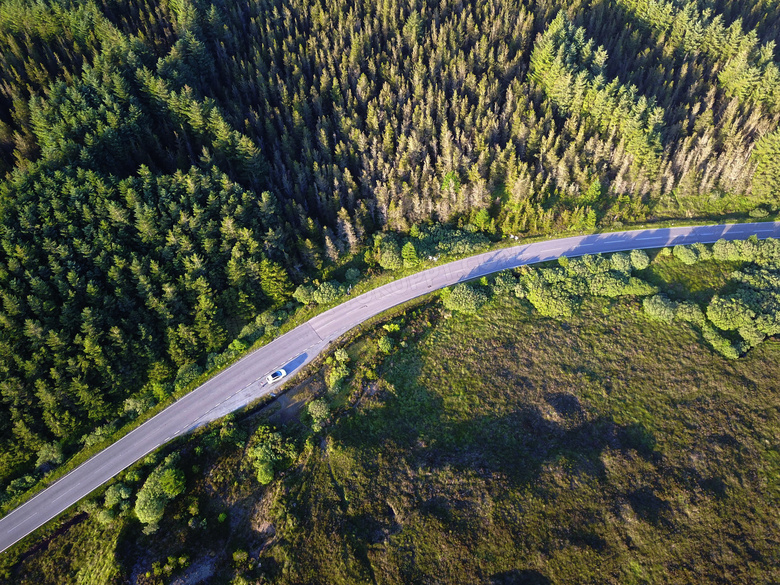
(732, 324)
(164, 483)
(319, 411)
(557, 292)
(326, 292)
(685, 254)
(338, 370)
(464, 298)
(392, 252)
(385, 344)
(749, 315)
(269, 452)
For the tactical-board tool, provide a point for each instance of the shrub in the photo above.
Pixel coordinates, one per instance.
(251, 332)
(268, 452)
(149, 508)
(385, 344)
(769, 251)
(20, 485)
(116, 494)
(336, 376)
(552, 275)
(660, 308)
(729, 313)
(689, 312)
(725, 250)
(237, 346)
(264, 472)
(758, 212)
(639, 259)
(319, 412)
(748, 248)
(387, 252)
(137, 405)
(685, 254)
(551, 301)
(504, 283)
(304, 294)
(240, 557)
(575, 267)
(98, 435)
(327, 292)
(719, 343)
(751, 336)
(464, 298)
(596, 263)
(172, 482)
(186, 374)
(106, 517)
(352, 275)
(163, 484)
(620, 262)
(49, 454)
(702, 251)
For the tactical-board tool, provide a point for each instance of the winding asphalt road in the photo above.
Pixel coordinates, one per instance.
(244, 381)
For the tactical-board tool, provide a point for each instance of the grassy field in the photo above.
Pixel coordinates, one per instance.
(496, 448)
(509, 449)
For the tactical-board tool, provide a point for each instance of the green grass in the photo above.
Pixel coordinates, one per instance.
(83, 552)
(698, 282)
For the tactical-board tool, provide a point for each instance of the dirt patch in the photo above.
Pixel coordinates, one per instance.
(197, 572)
(261, 523)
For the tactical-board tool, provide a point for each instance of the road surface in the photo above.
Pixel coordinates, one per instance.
(244, 381)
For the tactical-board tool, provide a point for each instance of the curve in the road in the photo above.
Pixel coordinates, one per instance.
(243, 382)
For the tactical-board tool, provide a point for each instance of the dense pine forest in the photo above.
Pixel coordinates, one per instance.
(172, 169)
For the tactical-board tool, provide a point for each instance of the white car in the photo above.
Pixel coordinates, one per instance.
(277, 375)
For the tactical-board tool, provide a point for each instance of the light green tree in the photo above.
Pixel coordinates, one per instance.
(319, 412)
(409, 255)
(164, 483)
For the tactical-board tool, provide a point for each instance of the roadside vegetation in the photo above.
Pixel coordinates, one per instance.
(541, 425)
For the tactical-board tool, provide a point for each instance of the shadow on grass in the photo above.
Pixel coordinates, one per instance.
(649, 507)
(520, 443)
(517, 444)
(565, 405)
(421, 430)
(698, 283)
(518, 577)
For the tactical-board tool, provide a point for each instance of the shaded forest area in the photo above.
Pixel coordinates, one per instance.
(172, 167)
